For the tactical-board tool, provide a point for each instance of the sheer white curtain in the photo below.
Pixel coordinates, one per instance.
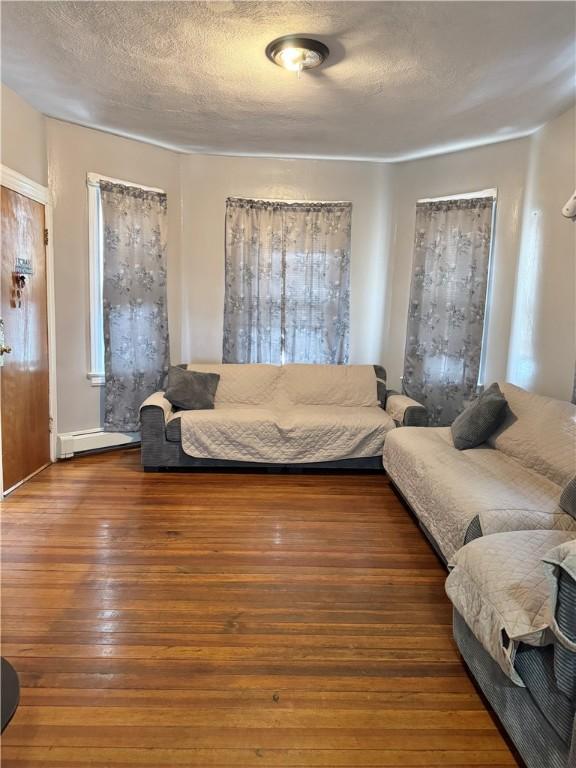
(136, 346)
(447, 304)
(287, 282)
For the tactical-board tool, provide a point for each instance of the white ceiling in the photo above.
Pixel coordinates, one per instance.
(404, 79)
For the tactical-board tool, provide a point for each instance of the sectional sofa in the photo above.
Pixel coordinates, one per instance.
(514, 597)
(511, 482)
(322, 416)
(493, 515)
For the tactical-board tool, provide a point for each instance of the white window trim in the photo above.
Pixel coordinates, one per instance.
(489, 295)
(96, 372)
(464, 196)
(95, 233)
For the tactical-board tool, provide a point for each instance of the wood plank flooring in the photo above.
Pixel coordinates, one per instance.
(229, 620)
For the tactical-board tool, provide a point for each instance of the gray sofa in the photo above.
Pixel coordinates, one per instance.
(512, 482)
(508, 586)
(492, 514)
(292, 416)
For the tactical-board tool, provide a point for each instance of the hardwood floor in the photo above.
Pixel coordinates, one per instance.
(229, 620)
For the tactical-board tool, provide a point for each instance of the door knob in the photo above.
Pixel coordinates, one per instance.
(5, 350)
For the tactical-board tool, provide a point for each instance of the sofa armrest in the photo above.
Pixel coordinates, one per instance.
(154, 413)
(504, 520)
(560, 565)
(405, 411)
(157, 400)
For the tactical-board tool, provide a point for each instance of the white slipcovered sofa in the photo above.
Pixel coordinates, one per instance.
(290, 415)
(514, 597)
(512, 482)
(493, 515)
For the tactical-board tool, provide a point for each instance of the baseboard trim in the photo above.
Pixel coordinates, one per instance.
(71, 443)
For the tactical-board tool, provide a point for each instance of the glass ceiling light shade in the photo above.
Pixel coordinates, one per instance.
(297, 53)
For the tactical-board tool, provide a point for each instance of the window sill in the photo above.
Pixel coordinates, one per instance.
(95, 379)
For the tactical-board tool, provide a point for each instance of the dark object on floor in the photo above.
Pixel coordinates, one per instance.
(10, 695)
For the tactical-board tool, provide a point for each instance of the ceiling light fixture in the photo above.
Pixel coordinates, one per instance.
(297, 53)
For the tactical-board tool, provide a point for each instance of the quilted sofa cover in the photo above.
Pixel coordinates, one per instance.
(290, 415)
(513, 482)
(500, 586)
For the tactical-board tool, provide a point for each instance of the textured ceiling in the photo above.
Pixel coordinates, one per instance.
(404, 78)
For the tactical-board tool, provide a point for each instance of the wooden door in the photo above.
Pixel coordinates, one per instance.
(24, 387)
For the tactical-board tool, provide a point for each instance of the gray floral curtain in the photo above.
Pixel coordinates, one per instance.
(287, 282)
(447, 303)
(136, 347)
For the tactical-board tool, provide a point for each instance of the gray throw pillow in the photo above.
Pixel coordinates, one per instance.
(568, 498)
(191, 390)
(482, 417)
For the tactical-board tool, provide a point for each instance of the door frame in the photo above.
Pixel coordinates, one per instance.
(17, 182)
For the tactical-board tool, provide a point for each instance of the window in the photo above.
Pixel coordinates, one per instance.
(445, 352)
(287, 292)
(489, 193)
(96, 253)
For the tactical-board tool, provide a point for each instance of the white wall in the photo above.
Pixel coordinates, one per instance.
(72, 153)
(23, 137)
(208, 180)
(543, 342)
(384, 199)
(531, 333)
(498, 165)
(197, 188)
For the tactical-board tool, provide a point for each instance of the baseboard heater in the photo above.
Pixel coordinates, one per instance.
(71, 443)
